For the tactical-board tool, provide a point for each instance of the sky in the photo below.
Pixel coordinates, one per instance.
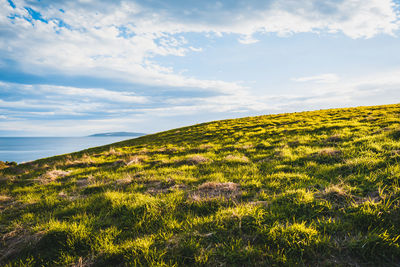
(78, 67)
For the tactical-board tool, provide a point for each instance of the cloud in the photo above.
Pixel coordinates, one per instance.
(93, 94)
(322, 78)
(122, 42)
(248, 39)
(121, 39)
(196, 49)
(53, 102)
(49, 110)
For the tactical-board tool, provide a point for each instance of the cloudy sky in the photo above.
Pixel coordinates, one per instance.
(77, 67)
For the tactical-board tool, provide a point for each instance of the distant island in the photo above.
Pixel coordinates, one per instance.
(117, 134)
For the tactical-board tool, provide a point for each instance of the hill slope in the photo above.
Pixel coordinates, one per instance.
(308, 188)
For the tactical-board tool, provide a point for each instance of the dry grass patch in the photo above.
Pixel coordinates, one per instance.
(144, 151)
(7, 164)
(329, 152)
(195, 159)
(336, 194)
(334, 138)
(113, 152)
(132, 160)
(15, 241)
(83, 262)
(158, 187)
(279, 154)
(6, 179)
(5, 201)
(244, 146)
(124, 181)
(118, 163)
(84, 182)
(85, 160)
(4, 198)
(206, 146)
(67, 196)
(237, 159)
(210, 190)
(327, 155)
(264, 160)
(52, 175)
(167, 150)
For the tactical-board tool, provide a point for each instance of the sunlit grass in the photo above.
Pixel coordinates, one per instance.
(312, 188)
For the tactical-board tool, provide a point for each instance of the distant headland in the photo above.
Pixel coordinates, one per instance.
(117, 134)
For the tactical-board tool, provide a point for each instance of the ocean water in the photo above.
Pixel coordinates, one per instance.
(23, 149)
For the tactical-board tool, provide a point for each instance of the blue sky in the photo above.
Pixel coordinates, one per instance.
(73, 68)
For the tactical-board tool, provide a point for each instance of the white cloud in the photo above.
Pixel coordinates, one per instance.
(322, 78)
(374, 89)
(49, 100)
(248, 39)
(196, 49)
(92, 94)
(120, 39)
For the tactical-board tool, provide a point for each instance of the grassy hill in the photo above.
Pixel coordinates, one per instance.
(305, 188)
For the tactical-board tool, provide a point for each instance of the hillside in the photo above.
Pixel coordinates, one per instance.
(306, 188)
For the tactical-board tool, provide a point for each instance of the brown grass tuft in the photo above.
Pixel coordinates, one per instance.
(15, 241)
(113, 152)
(211, 190)
(131, 160)
(168, 150)
(124, 181)
(334, 138)
(336, 194)
(84, 262)
(237, 158)
(158, 187)
(51, 176)
(330, 152)
(195, 159)
(4, 198)
(206, 146)
(5, 201)
(244, 146)
(84, 182)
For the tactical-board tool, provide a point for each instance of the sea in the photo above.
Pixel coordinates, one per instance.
(24, 149)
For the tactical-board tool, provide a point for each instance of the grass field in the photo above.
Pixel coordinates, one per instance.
(312, 188)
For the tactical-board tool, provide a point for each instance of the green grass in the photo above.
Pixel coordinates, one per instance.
(312, 188)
